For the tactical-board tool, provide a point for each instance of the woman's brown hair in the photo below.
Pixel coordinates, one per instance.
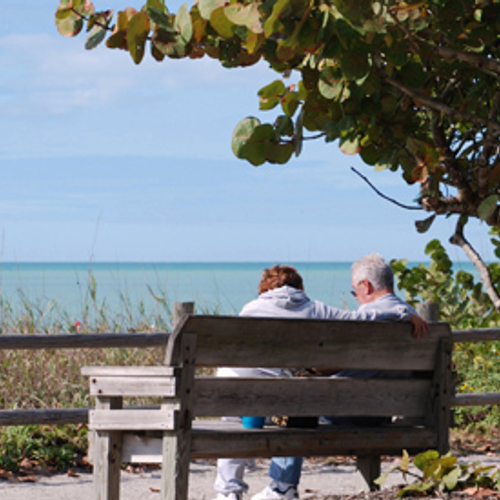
(279, 276)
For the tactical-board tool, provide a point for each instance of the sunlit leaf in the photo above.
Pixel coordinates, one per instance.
(350, 146)
(221, 23)
(68, 23)
(183, 23)
(330, 83)
(206, 7)
(423, 459)
(245, 15)
(118, 39)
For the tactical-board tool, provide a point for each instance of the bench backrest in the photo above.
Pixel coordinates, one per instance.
(213, 341)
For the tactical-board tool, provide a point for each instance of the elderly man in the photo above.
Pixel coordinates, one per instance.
(373, 287)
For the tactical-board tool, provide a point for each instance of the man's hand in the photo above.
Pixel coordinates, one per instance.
(420, 326)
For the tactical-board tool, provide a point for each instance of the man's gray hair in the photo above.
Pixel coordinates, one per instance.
(375, 269)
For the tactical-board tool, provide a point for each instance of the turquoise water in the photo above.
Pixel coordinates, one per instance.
(222, 287)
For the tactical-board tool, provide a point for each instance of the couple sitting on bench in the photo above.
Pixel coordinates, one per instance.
(281, 294)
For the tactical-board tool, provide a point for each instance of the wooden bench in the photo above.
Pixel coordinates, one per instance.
(192, 403)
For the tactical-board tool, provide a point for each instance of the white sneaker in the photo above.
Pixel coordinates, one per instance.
(229, 496)
(270, 494)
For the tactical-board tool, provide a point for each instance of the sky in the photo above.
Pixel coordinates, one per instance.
(104, 160)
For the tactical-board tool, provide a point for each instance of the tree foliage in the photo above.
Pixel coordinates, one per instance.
(412, 86)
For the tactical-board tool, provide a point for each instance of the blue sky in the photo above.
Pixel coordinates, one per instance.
(105, 160)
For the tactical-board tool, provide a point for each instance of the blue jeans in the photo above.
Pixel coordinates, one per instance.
(286, 470)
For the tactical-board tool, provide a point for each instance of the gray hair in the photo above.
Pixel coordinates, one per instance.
(375, 269)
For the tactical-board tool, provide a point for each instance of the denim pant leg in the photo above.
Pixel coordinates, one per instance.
(230, 473)
(286, 470)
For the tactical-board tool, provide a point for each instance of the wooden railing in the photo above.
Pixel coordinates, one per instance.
(76, 341)
(144, 340)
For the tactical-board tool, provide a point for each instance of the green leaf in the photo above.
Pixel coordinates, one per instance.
(183, 23)
(137, 34)
(355, 64)
(68, 23)
(284, 126)
(270, 95)
(245, 15)
(424, 225)
(161, 19)
(290, 103)
(450, 480)
(242, 134)
(488, 206)
(206, 7)
(423, 459)
(219, 21)
(99, 29)
(279, 153)
(330, 84)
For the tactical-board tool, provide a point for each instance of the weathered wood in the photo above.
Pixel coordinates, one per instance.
(215, 396)
(369, 468)
(83, 341)
(224, 439)
(44, 416)
(484, 399)
(216, 439)
(133, 419)
(177, 446)
(133, 386)
(330, 344)
(476, 335)
(443, 391)
(107, 456)
(128, 371)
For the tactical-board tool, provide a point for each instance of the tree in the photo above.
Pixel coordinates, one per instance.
(412, 87)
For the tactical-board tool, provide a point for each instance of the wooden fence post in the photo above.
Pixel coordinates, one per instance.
(181, 309)
(429, 311)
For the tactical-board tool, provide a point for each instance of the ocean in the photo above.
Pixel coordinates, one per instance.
(214, 287)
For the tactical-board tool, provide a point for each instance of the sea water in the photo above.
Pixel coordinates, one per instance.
(214, 287)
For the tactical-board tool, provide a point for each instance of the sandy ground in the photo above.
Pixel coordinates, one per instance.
(318, 478)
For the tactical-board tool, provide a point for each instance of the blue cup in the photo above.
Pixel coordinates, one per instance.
(253, 422)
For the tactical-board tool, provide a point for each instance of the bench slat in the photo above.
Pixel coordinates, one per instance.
(133, 386)
(309, 442)
(217, 439)
(330, 344)
(132, 419)
(128, 371)
(310, 396)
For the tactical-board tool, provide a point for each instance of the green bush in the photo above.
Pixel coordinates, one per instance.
(464, 304)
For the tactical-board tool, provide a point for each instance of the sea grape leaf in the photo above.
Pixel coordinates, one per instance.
(488, 206)
(271, 94)
(424, 225)
(183, 23)
(137, 35)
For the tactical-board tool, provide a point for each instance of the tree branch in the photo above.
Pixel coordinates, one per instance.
(475, 60)
(459, 239)
(443, 108)
(392, 200)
